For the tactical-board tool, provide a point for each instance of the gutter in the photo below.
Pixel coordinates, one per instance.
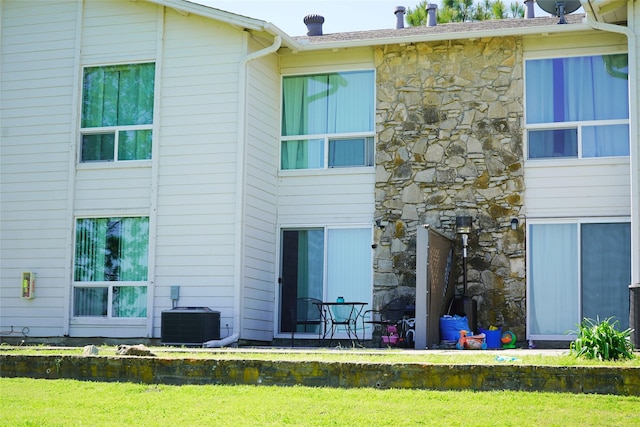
(634, 156)
(240, 180)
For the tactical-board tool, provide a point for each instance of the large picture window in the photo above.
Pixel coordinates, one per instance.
(577, 107)
(111, 267)
(576, 270)
(117, 113)
(327, 120)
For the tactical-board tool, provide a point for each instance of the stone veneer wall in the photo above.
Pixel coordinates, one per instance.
(449, 120)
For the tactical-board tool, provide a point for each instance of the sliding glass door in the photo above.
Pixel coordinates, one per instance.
(577, 270)
(323, 263)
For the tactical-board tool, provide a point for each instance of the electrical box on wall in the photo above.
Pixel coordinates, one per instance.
(28, 285)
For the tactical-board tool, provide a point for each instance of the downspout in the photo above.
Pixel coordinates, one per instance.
(634, 159)
(240, 172)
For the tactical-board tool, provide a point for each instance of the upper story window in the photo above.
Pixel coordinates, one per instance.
(117, 113)
(327, 120)
(577, 107)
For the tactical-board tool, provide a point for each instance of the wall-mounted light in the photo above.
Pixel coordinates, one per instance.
(381, 223)
(514, 224)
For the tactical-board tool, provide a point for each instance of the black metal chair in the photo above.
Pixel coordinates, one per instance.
(390, 314)
(306, 312)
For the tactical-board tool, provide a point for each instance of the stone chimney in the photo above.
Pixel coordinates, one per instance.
(314, 24)
(530, 12)
(399, 12)
(431, 14)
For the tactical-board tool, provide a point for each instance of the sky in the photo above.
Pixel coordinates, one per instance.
(340, 15)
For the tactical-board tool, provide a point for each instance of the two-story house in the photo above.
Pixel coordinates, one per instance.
(161, 152)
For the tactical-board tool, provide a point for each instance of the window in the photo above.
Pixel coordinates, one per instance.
(327, 120)
(110, 267)
(324, 263)
(577, 270)
(577, 107)
(117, 113)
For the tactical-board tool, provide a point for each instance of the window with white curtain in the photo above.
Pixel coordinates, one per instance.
(577, 107)
(328, 120)
(577, 269)
(111, 267)
(324, 263)
(117, 113)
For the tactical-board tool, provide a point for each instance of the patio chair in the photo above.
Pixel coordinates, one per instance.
(306, 312)
(391, 314)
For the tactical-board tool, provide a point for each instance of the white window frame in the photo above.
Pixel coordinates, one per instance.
(326, 138)
(116, 129)
(325, 285)
(109, 318)
(578, 125)
(330, 136)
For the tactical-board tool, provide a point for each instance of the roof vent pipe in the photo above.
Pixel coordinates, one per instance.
(431, 14)
(530, 9)
(314, 24)
(399, 12)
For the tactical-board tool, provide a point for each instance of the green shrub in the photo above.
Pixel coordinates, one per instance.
(601, 340)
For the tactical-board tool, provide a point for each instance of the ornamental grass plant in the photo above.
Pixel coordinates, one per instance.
(602, 340)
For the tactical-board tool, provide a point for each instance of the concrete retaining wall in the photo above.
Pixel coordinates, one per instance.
(574, 379)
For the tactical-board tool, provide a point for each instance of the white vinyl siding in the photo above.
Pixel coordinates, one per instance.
(557, 187)
(197, 166)
(114, 32)
(188, 191)
(333, 196)
(37, 61)
(575, 189)
(119, 31)
(563, 198)
(98, 187)
(258, 274)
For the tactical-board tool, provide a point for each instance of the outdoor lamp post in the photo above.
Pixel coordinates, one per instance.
(463, 227)
(465, 305)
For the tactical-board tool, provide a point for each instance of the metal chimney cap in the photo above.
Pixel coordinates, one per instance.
(400, 9)
(313, 19)
(314, 24)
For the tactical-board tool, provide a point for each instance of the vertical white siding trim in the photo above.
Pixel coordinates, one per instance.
(71, 180)
(635, 148)
(155, 162)
(240, 174)
(633, 130)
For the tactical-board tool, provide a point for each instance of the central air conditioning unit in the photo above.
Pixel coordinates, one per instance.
(190, 326)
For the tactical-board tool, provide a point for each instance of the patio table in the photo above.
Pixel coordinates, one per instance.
(340, 314)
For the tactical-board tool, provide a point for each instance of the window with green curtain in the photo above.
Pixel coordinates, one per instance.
(337, 105)
(111, 250)
(117, 112)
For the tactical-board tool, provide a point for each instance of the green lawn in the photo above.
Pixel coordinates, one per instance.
(30, 402)
(344, 355)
